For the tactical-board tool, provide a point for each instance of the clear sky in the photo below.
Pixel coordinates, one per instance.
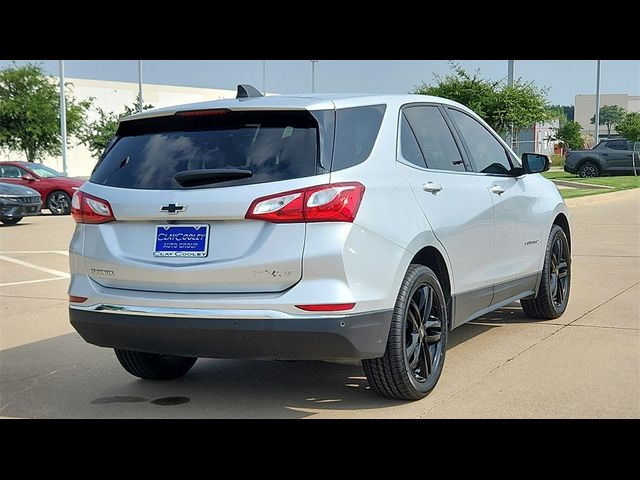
(565, 78)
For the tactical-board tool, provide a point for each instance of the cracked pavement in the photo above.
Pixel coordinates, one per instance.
(586, 364)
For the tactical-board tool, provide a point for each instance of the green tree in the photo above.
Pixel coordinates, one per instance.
(30, 112)
(519, 106)
(96, 135)
(629, 128)
(472, 91)
(610, 115)
(502, 106)
(569, 135)
(563, 112)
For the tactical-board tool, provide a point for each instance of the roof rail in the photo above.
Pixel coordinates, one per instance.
(247, 91)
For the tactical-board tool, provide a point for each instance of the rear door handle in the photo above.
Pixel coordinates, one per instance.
(497, 189)
(605, 154)
(431, 187)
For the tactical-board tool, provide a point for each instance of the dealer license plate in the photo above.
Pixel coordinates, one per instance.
(181, 241)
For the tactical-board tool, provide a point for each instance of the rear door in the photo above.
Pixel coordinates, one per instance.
(456, 203)
(618, 155)
(191, 235)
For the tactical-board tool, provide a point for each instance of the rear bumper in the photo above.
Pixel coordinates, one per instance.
(340, 337)
(569, 169)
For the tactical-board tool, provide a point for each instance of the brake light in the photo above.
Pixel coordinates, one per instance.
(327, 307)
(334, 202)
(86, 208)
(77, 299)
(212, 112)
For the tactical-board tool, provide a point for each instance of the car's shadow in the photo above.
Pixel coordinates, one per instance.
(63, 377)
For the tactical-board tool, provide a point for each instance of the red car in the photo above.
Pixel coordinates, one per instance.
(55, 189)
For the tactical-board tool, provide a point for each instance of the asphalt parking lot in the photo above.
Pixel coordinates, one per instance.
(585, 364)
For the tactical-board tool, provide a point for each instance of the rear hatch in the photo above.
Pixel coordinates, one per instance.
(180, 187)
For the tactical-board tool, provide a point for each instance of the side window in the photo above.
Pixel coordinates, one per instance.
(409, 145)
(356, 132)
(487, 153)
(9, 171)
(617, 144)
(436, 142)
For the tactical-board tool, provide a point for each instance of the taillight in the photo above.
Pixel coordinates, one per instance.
(86, 208)
(334, 202)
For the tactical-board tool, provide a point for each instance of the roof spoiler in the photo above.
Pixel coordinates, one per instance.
(247, 91)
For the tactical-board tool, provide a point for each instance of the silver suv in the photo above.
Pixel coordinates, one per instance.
(311, 227)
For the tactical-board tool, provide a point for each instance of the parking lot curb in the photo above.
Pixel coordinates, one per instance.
(603, 198)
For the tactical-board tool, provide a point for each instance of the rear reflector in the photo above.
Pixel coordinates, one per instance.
(76, 299)
(327, 307)
(86, 208)
(334, 202)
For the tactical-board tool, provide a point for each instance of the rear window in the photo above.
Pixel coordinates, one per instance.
(272, 145)
(618, 145)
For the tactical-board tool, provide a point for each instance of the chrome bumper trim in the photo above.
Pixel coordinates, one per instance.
(200, 312)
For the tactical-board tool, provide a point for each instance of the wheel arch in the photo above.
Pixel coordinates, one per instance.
(431, 257)
(597, 162)
(563, 222)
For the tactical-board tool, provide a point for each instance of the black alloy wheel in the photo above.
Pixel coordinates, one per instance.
(555, 284)
(588, 170)
(414, 356)
(423, 334)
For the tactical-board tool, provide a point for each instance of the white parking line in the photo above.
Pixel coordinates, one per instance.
(61, 252)
(57, 273)
(24, 282)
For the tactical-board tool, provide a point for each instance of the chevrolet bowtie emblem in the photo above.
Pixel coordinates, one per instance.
(172, 208)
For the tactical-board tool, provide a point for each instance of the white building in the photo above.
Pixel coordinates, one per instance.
(585, 108)
(112, 97)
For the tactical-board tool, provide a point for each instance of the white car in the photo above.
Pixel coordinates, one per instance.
(311, 227)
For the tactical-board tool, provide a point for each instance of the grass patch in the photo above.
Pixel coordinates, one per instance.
(577, 192)
(617, 183)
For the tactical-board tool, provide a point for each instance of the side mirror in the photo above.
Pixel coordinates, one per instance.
(535, 162)
(28, 177)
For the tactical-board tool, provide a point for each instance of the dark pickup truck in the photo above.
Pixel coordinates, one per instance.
(609, 157)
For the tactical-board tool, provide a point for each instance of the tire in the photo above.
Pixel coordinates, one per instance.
(400, 373)
(10, 221)
(59, 203)
(151, 366)
(555, 284)
(589, 169)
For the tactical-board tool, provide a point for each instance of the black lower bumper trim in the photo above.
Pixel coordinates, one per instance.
(348, 338)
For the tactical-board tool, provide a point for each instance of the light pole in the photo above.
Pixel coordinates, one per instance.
(313, 75)
(597, 119)
(63, 119)
(264, 77)
(139, 85)
(510, 71)
(510, 75)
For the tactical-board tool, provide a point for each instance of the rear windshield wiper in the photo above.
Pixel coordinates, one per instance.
(195, 178)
